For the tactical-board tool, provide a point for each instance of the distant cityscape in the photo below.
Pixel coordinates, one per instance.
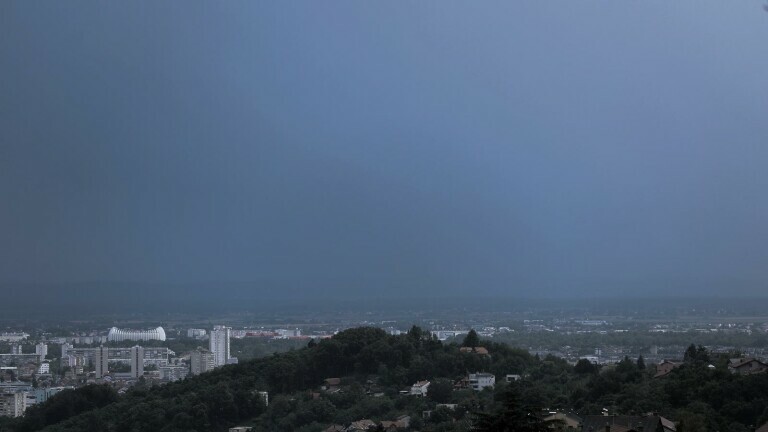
(39, 362)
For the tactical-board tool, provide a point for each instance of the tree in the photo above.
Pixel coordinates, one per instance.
(641, 362)
(626, 366)
(440, 390)
(695, 354)
(511, 416)
(690, 354)
(472, 340)
(415, 332)
(584, 366)
(702, 354)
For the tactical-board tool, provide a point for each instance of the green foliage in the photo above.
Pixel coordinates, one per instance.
(471, 340)
(440, 390)
(696, 354)
(375, 366)
(66, 404)
(584, 366)
(228, 395)
(512, 413)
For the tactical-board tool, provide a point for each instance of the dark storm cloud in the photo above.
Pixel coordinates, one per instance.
(536, 148)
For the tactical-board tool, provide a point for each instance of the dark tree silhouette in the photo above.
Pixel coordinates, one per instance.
(472, 340)
(512, 416)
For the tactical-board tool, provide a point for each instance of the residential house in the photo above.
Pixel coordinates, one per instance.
(566, 422)
(331, 384)
(479, 381)
(746, 366)
(475, 350)
(420, 388)
(388, 426)
(618, 423)
(361, 425)
(402, 422)
(665, 367)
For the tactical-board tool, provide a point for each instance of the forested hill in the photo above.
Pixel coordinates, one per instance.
(374, 367)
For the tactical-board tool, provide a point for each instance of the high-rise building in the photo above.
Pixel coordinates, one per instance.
(16, 349)
(219, 344)
(201, 360)
(64, 348)
(101, 361)
(137, 362)
(41, 350)
(12, 404)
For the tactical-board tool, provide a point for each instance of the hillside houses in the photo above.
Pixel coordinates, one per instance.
(746, 366)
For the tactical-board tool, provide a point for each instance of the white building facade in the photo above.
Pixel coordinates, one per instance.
(219, 345)
(117, 335)
(137, 362)
(41, 350)
(479, 381)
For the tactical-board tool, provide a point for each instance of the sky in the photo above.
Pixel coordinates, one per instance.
(343, 148)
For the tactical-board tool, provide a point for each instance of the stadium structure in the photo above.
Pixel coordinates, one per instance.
(117, 335)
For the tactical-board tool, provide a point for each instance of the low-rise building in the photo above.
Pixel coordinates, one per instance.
(361, 425)
(475, 350)
(196, 333)
(479, 381)
(565, 422)
(173, 373)
(420, 388)
(40, 395)
(746, 366)
(331, 384)
(13, 337)
(611, 423)
(666, 367)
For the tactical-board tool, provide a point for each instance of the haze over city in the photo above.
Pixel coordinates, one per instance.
(370, 216)
(345, 149)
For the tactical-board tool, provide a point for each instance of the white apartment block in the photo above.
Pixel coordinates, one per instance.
(219, 345)
(479, 381)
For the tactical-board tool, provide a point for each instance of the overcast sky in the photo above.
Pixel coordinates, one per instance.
(538, 148)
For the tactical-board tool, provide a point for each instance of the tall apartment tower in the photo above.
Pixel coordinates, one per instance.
(101, 361)
(220, 345)
(41, 350)
(201, 360)
(137, 362)
(12, 404)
